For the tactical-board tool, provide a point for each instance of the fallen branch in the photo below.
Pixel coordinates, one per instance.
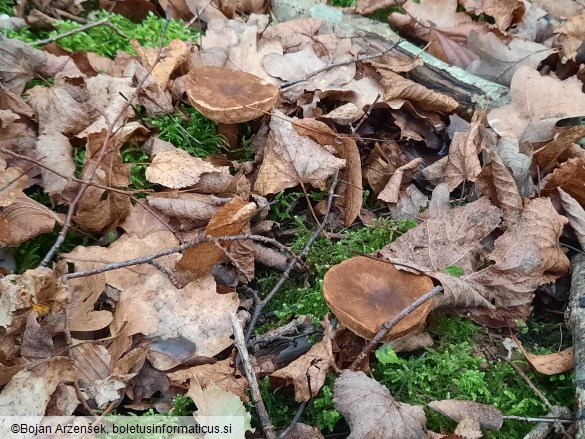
(575, 316)
(240, 343)
(179, 249)
(388, 325)
(103, 22)
(469, 90)
(261, 304)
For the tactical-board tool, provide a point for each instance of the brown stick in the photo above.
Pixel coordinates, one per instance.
(179, 249)
(102, 22)
(240, 342)
(388, 325)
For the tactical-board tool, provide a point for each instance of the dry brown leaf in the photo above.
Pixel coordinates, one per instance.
(525, 256)
(37, 338)
(18, 63)
(290, 159)
(187, 206)
(220, 373)
(498, 60)
(570, 177)
(315, 363)
(92, 361)
(84, 294)
(229, 220)
(537, 100)
(560, 8)
(463, 161)
(410, 203)
(549, 364)
(371, 411)
(368, 6)
(547, 157)
(141, 222)
(575, 214)
(487, 416)
(399, 181)
(397, 89)
(172, 56)
(497, 183)
(62, 108)
(504, 12)
(378, 173)
(350, 177)
(110, 95)
(304, 431)
(178, 169)
(213, 401)
(12, 182)
(54, 151)
(135, 314)
(29, 391)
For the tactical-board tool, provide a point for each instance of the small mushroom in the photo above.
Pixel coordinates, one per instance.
(229, 97)
(363, 293)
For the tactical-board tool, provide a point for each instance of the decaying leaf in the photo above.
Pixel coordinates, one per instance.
(12, 182)
(290, 159)
(229, 220)
(371, 411)
(487, 416)
(548, 364)
(311, 367)
(575, 214)
(177, 169)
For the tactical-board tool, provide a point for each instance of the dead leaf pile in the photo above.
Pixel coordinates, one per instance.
(492, 198)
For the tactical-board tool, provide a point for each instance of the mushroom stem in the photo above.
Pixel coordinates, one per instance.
(230, 132)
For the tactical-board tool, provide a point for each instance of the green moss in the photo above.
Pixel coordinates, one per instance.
(190, 131)
(105, 41)
(7, 7)
(452, 371)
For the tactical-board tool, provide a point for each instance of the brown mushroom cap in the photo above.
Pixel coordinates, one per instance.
(363, 293)
(229, 96)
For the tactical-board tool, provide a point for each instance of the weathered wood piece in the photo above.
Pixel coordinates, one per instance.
(472, 92)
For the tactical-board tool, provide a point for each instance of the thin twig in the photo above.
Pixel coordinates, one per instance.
(240, 343)
(179, 249)
(294, 421)
(262, 303)
(366, 114)
(388, 325)
(552, 420)
(101, 22)
(92, 170)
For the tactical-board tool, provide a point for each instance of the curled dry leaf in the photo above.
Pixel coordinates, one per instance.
(398, 89)
(570, 177)
(548, 156)
(19, 63)
(549, 364)
(84, 295)
(290, 159)
(187, 206)
(371, 411)
(399, 181)
(487, 416)
(575, 214)
(54, 151)
(350, 177)
(311, 367)
(178, 169)
(463, 162)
